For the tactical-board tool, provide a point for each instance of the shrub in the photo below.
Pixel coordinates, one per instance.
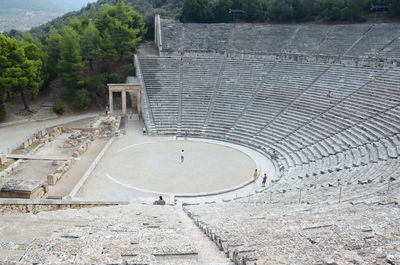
(59, 106)
(113, 79)
(129, 70)
(82, 99)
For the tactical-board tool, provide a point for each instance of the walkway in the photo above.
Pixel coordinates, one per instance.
(65, 185)
(13, 136)
(208, 252)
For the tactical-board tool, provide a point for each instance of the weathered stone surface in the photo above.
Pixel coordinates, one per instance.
(102, 235)
(3, 159)
(21, 185)
(51, 179)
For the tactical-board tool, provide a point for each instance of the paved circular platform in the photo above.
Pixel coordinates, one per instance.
(156, 166)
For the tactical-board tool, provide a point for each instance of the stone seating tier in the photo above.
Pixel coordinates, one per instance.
(282, 106)
(355, 40)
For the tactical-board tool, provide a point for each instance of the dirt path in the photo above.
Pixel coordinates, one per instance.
(208, 252)
(69, 180)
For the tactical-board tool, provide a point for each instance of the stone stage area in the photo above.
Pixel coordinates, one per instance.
(140, 166)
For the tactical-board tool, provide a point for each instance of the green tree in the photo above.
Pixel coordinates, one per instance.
(11, 55)
(90, 44)
(125, 26)
(32, 70)
(352, 10)
(108, 51)
(149, 21)
(198, 11)
(280, 10)
(331, 9)
(394, 8)
(81, 98)
(20, 69)
(299, 10)
(255, 10)
(221, 11)
(53, 50)
(70, 65)
(78, 25)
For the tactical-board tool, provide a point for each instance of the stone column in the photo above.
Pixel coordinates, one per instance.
(123, 98)
(110, 101)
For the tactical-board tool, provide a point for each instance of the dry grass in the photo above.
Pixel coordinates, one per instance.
(6, 165)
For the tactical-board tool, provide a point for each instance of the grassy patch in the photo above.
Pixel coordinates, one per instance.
(6, 165)
(32, 146)
(22, 151)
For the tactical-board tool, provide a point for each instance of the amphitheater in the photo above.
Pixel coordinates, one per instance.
(316, 107)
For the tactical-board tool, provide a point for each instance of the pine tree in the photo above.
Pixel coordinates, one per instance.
(125, 26)
(108, 51)
(53, 50)
(20, 69)
(90, 44)
(70, 65)
(196, 11)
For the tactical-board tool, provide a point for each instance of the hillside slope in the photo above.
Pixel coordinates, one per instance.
(22, 14)
(169, 8)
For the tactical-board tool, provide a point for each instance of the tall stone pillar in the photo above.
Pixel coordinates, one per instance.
(110, 101)
(123, 97)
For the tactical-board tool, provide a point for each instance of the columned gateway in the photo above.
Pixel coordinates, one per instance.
(133, 87)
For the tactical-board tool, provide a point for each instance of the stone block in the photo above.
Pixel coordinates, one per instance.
(51, 179)
(57, 176)
(75, 154)
(60, 170)
(26, 144)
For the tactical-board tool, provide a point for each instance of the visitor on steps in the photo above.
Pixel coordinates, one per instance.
(255, 174)
(144, 130)
(264, 180)
(160, 201)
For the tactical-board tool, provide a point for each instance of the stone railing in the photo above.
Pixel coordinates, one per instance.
(147, 115)
(157, 32)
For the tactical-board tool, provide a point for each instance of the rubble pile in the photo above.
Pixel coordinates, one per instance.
(106, 126)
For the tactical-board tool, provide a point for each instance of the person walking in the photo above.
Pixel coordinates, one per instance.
(264, 180)
(255, 174)
(182, 156)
